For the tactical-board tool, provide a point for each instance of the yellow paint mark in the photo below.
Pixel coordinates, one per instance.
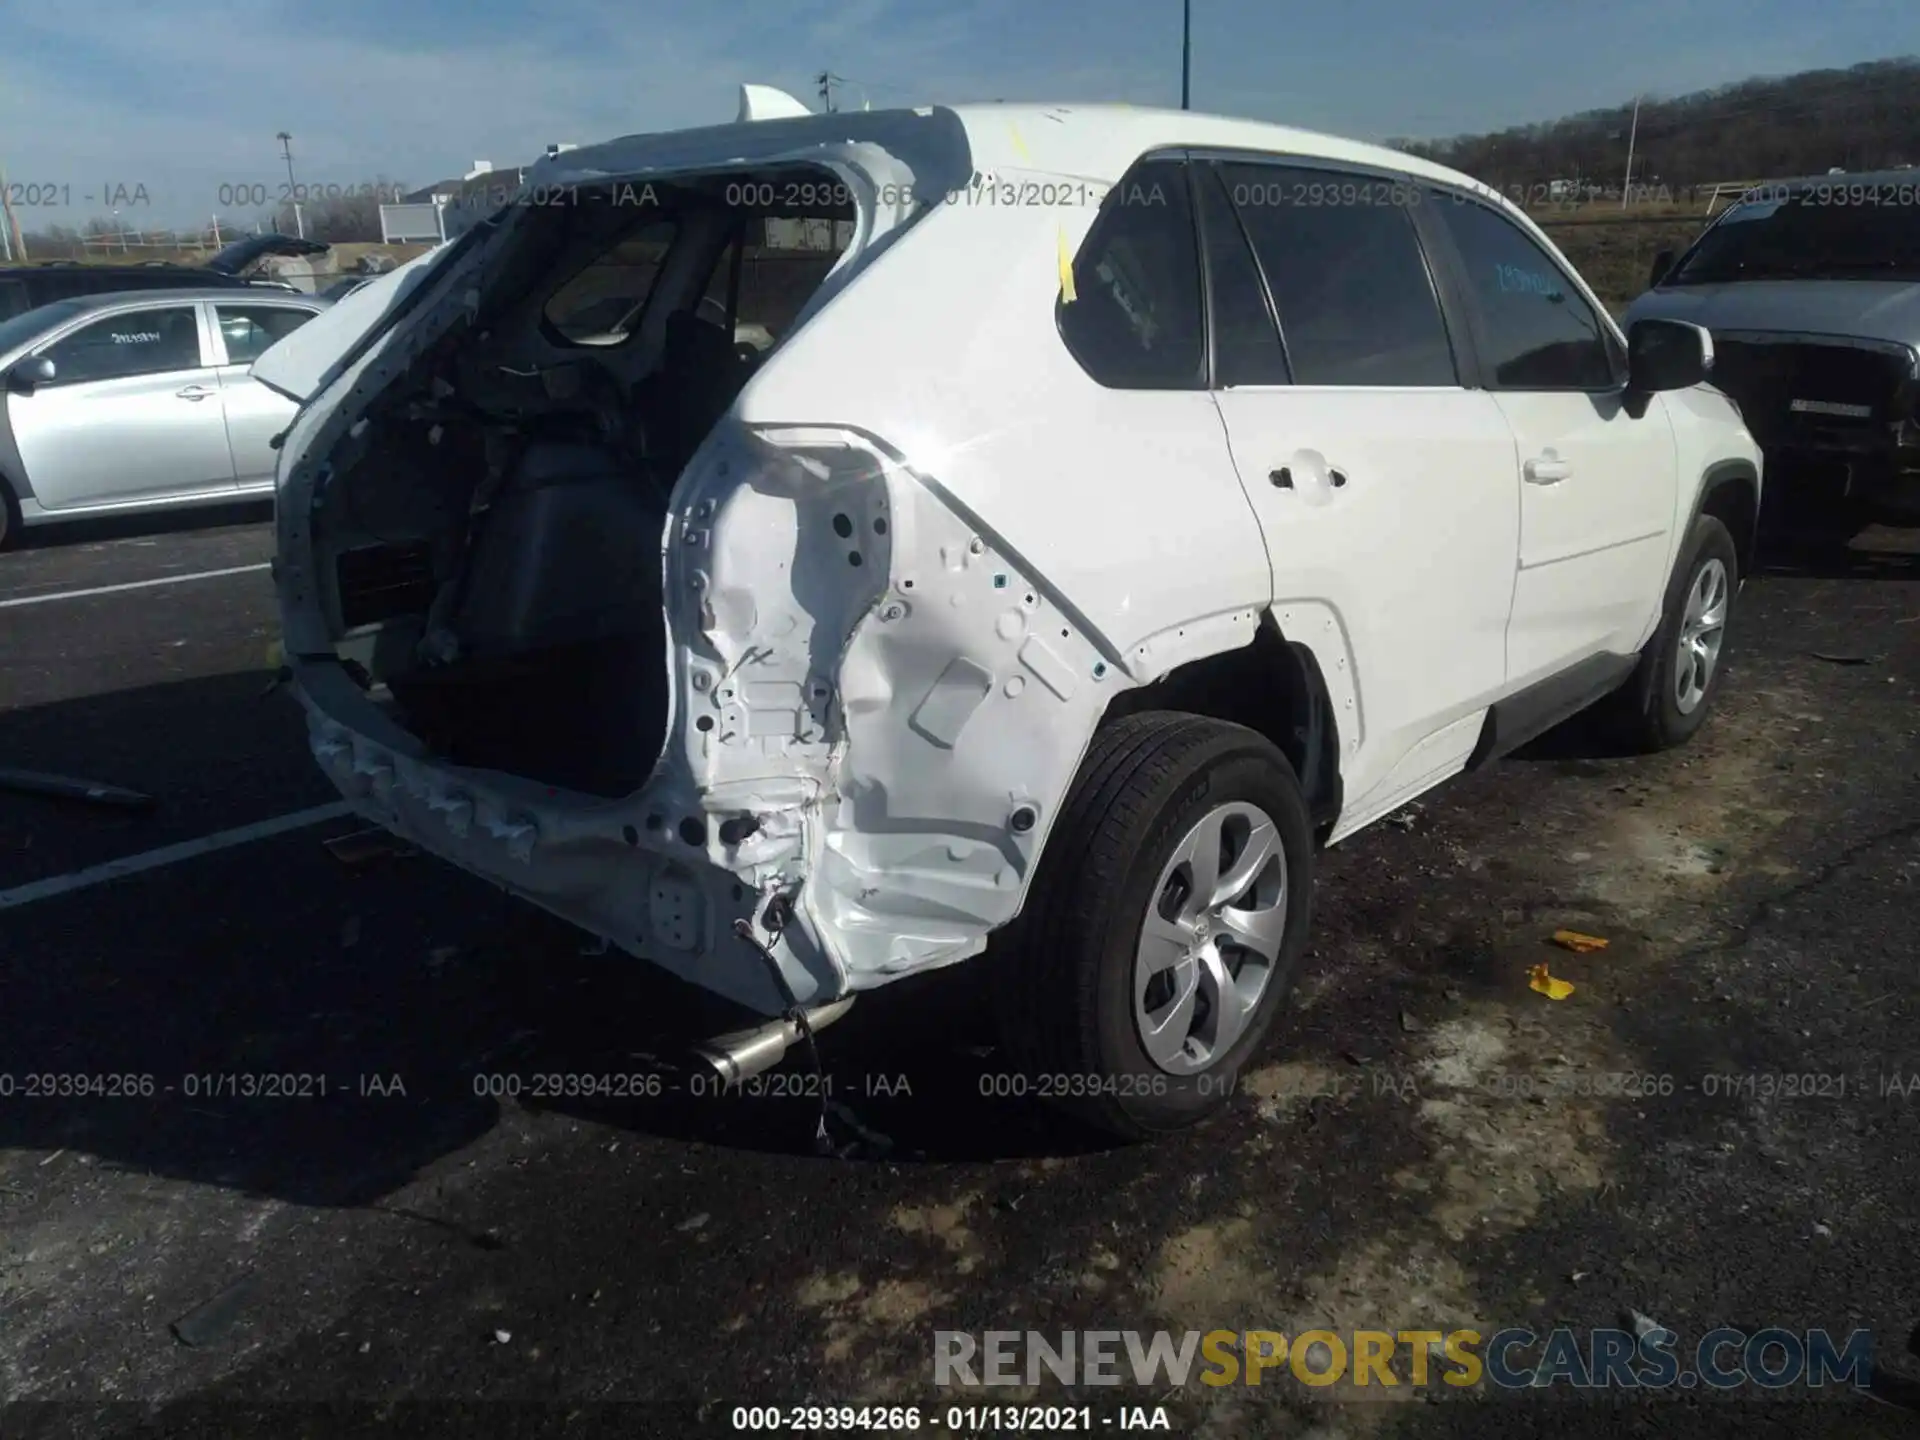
(1547, 985)
(1019, 144)
(1066, 270)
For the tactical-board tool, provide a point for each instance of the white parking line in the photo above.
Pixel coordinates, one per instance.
(134, 585)
(168, 855)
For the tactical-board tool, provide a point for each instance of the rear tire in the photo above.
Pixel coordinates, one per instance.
(1674, 685)
(1132, 990)
(10, 526)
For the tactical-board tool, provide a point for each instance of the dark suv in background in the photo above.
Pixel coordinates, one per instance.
(1811, 289)
(28, 287)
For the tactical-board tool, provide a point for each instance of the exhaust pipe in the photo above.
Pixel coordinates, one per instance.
(741, 1054)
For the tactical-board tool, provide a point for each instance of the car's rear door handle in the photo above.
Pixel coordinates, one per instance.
(1548, 469)
(195, 392)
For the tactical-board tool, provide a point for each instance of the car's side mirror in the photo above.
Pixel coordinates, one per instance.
(1667, 355)
(1662, 263)
(29, 374)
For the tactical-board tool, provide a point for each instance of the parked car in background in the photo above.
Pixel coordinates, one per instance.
(27, 287)
(248, 251)
(1138, 502)
(139, 400)
(1811, 289)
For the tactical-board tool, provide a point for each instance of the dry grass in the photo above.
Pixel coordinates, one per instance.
(1615, 254)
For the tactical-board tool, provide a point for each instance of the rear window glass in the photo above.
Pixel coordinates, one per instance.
(765, 278)
(598, 305)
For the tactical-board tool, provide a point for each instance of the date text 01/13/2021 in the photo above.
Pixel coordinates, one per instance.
(959, 1419)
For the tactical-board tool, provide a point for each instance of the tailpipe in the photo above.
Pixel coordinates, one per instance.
(741, 1054)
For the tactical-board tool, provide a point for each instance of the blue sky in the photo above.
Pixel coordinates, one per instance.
(186, 100)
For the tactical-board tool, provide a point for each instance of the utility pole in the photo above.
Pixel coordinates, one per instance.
(293, 187)
(825, 80)
(8, 229)
(1186, 54)
(1633, 132)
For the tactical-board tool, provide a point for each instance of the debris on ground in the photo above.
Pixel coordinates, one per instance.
(66, 787)
(1823, 1230)
(362, 847)
(502, 1337)
(1644, 1325)
(878, 1143)
(1547, 985)
(1407, 818)
(1577, 1276)
(693, 1222)
(1580, 944)
(1841, 659)
(207, 1322)
(1408, 1023)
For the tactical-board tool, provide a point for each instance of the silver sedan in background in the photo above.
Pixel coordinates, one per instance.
(139, 400)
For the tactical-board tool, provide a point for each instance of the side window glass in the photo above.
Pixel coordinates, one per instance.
(1134, 320)
(1539, 333)
(1246, 344)
(1348, 275)
(783, 260)
(250, 329)
(139, 342)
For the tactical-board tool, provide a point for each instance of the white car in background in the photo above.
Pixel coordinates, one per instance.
(1139, 502)
(140, 400)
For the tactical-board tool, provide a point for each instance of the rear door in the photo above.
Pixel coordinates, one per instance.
(133, 413)
(1600, 479)
(242, 331)
(1386, 489)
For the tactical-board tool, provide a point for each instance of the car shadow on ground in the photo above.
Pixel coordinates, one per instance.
(145, 523)
(272, 1019)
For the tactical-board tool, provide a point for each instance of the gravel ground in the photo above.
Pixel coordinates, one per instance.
(1427, 1143)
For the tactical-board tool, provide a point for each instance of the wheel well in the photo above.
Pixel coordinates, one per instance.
(1733, 500)
(1272, 686)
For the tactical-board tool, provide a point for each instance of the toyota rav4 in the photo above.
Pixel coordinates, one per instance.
(1122, 506)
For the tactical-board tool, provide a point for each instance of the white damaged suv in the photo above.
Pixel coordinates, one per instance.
(813, 550)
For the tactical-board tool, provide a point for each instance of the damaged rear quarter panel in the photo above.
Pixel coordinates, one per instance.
(1031, 545)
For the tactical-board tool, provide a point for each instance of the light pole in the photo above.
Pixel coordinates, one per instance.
(1186, 54)
(293, 188)
(1633, 133)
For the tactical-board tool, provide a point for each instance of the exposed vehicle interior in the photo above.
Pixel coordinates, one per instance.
(496, 544)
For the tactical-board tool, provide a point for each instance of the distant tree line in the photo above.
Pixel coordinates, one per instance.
(1866, 117)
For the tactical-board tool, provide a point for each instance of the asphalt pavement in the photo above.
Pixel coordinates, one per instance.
(420, 1207)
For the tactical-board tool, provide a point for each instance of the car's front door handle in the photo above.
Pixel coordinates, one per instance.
(195, 392)
(1548, 469)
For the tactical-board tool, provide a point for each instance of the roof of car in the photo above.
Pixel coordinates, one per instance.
(1097, 143)
(1101, 141)
(1908, 176)
(175, 294)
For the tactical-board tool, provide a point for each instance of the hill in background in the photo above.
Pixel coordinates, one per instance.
(1685, 150)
